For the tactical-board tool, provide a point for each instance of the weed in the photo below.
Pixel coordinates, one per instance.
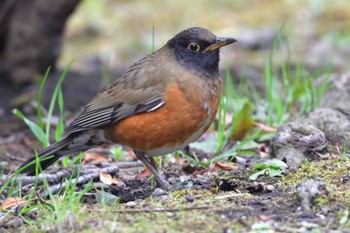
(273, 167)
(41, 131)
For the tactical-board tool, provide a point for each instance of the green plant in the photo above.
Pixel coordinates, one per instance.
(117, 153)
(291, 88)
(41, 131)
(273, 167)
(343, 153)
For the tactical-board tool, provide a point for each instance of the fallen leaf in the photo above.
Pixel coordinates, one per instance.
(145, 173)
(265, 128)
(243, 122)
(92, 157)
(249, 145)
(180, 161)
(225, 166)
(108, 179)
(209, 145)
(264, 217)
(12, 202)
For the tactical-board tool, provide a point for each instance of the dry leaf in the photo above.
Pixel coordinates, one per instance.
(264, 217)
(92, 157)
(108, 179)
(265, 128)
(12, 202)
(145, 173)
(225, 166)
(243, 122)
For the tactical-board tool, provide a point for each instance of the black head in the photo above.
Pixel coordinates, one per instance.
(197, 49)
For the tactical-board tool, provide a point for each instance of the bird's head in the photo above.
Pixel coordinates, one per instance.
(197, 49)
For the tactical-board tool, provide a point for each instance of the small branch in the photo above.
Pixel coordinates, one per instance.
(15, 157)
(56, 177)
(154, 210)
(50, 178)
(231, 195)
(81, 180)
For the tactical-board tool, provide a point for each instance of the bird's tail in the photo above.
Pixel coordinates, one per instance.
(72, 143)
(47, 157)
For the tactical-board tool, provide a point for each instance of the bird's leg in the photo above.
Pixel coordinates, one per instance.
(151, 166)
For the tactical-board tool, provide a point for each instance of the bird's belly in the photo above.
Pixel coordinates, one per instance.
(167, 129)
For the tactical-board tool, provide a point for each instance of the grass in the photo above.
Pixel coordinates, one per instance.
(69, 201)
(39, 129)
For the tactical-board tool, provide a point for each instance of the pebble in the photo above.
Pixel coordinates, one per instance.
(270, 188)
(158, 192)
(3, 164)
(120, 184)
(189, 198)
(189, 184)
(170, 214)
(183, 179)
(163, 198)
(131, 204)
(172, 180)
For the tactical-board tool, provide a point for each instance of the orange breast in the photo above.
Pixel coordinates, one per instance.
(171, 125)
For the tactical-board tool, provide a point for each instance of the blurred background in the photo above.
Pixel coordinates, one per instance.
(102, 38)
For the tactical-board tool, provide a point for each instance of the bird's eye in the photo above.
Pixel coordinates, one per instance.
(193, 47)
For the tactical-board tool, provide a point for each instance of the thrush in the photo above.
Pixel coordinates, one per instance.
(162, 103)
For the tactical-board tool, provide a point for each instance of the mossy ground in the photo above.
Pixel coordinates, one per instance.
(270, 203)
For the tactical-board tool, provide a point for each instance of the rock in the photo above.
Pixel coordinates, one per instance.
(172, 180)
(189, 198)
(131, 204)
(338, 97)
(120, 184)
(270, 188)
(308, 191)
(189, 184)
(296, 140)
(158, 192)
(334, 124)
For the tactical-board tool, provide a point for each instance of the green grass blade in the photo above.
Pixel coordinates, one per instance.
(36, 129)
(53, 99)
(60, 125)
(38, 108)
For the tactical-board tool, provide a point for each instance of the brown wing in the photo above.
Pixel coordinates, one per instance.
(139, 90)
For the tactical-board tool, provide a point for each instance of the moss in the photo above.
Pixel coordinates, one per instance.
(332, 172)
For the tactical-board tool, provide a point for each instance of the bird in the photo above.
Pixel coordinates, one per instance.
(163, 102)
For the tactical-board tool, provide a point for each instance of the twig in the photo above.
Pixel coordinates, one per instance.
(15, 157)
(27, 180)
(56, 177)
(231, 195)
(124, 165)
(265, 128)
(81, 180)
(153, 210)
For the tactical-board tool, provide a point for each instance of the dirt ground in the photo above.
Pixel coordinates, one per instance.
(315, 197)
